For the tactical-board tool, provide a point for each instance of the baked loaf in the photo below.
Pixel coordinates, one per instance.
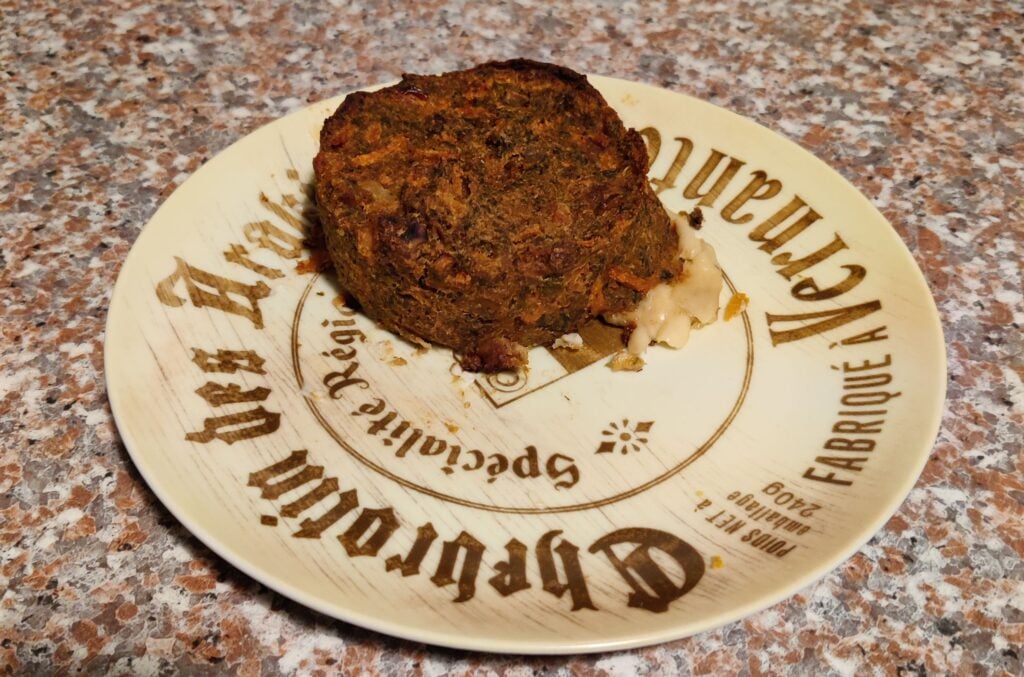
(490, 209)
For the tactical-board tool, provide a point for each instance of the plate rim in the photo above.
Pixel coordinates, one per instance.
(824, 566)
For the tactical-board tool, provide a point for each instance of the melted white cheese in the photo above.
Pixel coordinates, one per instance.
(670, 310)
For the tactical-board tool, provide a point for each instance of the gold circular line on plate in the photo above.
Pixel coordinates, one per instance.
(748, 371)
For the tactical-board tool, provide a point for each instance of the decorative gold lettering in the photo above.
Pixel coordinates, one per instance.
(266, 235)
(554, 472)
(326, 487)
(865, 412)
(382, 423)
(411, 440)
(336, 381)
(669, 180)
(218, 394)
(207, 290)
(228, 361)
(830, 319)
(830, 478)
(856, 446)
(511, 574)
(807, 290)
(862, 405)
(410, 566)
(371, 409)
(343, 354)
(866, 381)
(800, 265)
(773, 545)
(386, 523)
(575, 583)
(867, 364)
(306, 474)
(240, 255)
(759, 188)
(866, 337)
(858, 427)
(347, 336)
(452, 459)
(297, 461)
(283, 214)
(474, 550)
(253, 423)
(853, 464)
(526, 465)
(478, 463)
(312, 528)
(707, 198)
(760, 233)
(432, 446)
(655, 579)
(868, 399)
(497, 466)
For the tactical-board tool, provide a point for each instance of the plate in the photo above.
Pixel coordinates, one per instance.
(561, 510)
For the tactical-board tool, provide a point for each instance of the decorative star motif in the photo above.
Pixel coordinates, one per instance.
(624, 437)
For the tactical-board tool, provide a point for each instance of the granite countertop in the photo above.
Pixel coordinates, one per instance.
(105, 111)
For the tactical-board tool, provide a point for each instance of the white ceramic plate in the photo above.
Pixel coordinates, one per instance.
(570, 509)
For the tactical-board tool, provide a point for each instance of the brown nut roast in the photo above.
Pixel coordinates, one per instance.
(490, 209)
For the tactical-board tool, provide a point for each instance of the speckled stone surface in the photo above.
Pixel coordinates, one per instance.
(104, 111)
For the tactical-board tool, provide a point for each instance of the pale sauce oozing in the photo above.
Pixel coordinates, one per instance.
(671, 309)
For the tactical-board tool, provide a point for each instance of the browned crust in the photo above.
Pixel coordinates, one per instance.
(484, 209)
